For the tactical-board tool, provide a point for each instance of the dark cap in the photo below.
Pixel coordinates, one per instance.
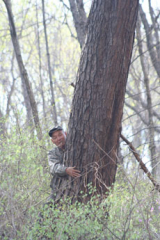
(54, 130)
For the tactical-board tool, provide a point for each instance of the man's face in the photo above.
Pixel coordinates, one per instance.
(59, 138)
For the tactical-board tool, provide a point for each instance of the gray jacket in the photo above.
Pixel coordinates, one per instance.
(57, 168)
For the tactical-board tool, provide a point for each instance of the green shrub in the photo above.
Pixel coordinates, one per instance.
(130, 211)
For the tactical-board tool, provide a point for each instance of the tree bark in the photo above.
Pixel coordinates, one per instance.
(23, 72)
(95, 120)
(79, 18)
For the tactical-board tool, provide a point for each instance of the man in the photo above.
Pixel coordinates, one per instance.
(55, 158)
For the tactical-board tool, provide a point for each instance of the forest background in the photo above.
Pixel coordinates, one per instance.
(50, 50)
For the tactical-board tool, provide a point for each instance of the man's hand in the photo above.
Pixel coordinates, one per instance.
(71, 171)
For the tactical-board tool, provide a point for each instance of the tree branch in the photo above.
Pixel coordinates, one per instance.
(142, 165)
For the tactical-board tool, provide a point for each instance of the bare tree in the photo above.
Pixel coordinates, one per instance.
(22, 69)
(142, 98)
(149, 102)
(151, 41)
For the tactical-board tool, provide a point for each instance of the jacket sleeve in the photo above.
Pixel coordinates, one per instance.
(56, 168)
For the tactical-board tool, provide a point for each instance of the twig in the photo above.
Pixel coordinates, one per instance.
(142, 165)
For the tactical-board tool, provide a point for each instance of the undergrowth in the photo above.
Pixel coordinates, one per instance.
(125, 214)
(131, 211)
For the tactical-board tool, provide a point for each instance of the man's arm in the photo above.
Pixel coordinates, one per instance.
(56, 167)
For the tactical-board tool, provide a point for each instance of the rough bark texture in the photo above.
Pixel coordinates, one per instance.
(95, 120)
(79, 18)
(23, 72)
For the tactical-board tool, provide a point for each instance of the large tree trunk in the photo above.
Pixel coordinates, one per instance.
(95, 121)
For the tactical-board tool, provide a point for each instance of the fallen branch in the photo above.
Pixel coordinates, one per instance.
(142, 165)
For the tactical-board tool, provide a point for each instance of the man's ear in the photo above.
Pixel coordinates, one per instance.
(65, 133)
(52, 140)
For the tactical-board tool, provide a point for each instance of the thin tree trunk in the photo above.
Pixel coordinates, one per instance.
(29, 120)
(150, 42)
(149, 103)
(23, 72)
(155, 26)
(12, 87)
(40, 65)
(2, 125)
(79, 18)
(95, 120)
(49, 67)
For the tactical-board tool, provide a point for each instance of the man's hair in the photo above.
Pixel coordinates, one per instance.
(58, 128)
